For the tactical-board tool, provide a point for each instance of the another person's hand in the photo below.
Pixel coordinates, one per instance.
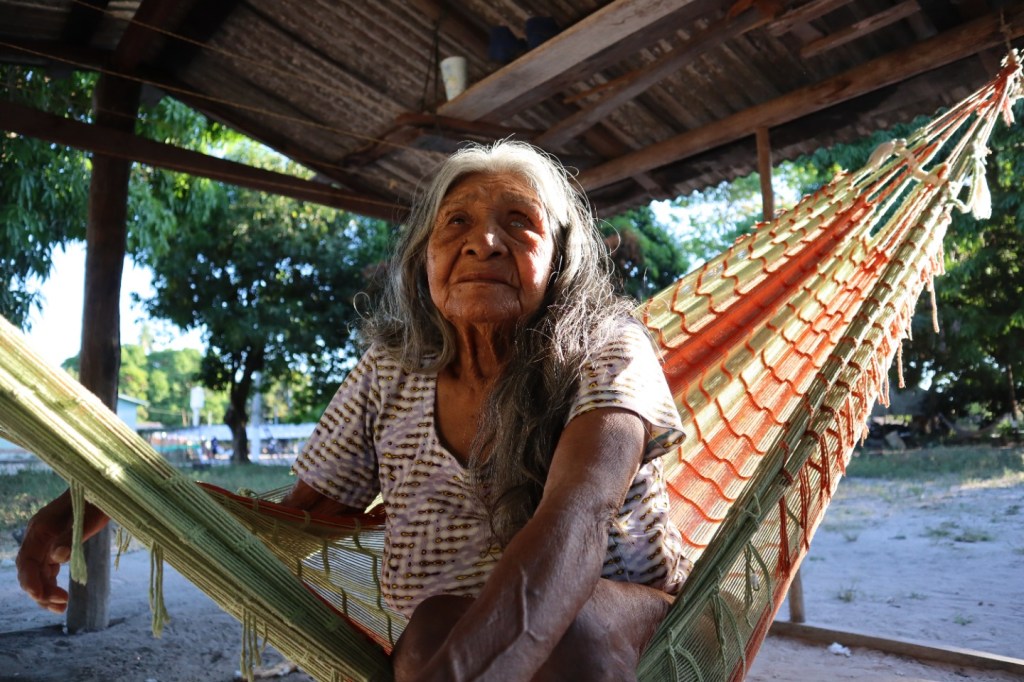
(47, 545)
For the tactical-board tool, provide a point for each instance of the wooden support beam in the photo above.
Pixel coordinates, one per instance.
(922, 651)
(140, 36)
(533, 72)
(83, 19)
(115, 103)
(633, 84)
(20, 51)
(943, 49)
(123, 145)
(859, 29)
(764, 171)
(803, 14)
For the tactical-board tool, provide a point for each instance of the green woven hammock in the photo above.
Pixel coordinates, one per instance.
(775, 352)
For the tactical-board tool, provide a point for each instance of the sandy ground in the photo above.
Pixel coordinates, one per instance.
(941, 563)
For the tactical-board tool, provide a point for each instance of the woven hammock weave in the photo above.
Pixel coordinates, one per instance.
(775, 352)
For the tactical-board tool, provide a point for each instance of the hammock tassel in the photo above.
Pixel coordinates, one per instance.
(979, 200)
(156, 590)
(78, 569)
(122, 540)
(252, 650)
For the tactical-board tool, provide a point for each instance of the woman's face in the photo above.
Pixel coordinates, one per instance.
(490, 251)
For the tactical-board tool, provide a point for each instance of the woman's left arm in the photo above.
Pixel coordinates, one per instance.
(549, 569)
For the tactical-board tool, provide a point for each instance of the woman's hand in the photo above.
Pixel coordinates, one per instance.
(47, 545)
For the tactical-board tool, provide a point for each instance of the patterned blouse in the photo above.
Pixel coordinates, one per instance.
(378, 435)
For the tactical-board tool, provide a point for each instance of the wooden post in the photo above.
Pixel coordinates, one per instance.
(764, 170)
(116, 104)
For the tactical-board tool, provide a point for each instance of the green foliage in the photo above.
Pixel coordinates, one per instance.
(270, 281)
(647, 256)
(43, 188)
(719, 215)
(164, 379)
(975, 362)
(977, 357)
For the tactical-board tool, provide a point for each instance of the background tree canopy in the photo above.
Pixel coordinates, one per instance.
(973, 365)
(271, 280)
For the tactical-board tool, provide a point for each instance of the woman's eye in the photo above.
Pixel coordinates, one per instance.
(519, 223)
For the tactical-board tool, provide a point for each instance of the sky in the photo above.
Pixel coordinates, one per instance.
(56, 330)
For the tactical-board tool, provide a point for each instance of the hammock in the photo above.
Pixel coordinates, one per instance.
(775, 352)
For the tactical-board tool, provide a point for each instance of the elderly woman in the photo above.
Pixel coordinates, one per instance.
(512, 415)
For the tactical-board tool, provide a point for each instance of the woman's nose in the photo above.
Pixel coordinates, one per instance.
(485, 241)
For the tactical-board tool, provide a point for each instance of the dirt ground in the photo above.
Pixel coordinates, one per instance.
(941, 563)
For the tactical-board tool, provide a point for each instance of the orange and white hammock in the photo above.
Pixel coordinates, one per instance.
(775, 352)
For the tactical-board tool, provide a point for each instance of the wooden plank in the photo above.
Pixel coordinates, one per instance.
(27, 121)
(665, 30)
(801, 15)
(861, 28)
(22, 51)
(538, 67)
(897, 66)
(82, 21)
(923, 651)
(638, 82)
(139, 36)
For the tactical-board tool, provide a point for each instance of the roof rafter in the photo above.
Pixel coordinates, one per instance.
(537, 69)
(897, 66)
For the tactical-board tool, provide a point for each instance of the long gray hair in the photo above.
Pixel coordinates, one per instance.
(525, 413)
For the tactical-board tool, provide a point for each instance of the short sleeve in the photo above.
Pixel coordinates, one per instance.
(339, 460)
(626, 374)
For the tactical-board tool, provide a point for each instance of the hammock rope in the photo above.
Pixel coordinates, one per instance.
(775, 352)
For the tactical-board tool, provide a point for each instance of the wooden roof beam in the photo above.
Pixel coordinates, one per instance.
(804, 14)
(34, 123)
(945, 48)
(633, 84)
(859, 29)
(533, 74)
(83, 20)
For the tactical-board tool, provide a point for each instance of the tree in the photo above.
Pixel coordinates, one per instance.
(975, 361)
(272, 282)
(648, 258)
(43, 188)
(164, 379)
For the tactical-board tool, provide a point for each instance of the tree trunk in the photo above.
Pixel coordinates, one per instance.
(237, 418)
(1014, 407)
(116, 103)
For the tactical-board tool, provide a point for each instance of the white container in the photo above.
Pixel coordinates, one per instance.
(453, 73)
